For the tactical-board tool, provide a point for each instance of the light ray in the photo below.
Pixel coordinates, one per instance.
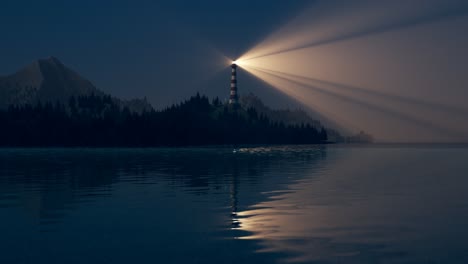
(397, 75)
(409, 119)
(375, 17)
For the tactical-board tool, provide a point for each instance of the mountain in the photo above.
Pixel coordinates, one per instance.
(289, 117)
(49, 80)
(293, 117)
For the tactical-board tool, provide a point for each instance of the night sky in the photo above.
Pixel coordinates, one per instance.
(165, 50)
(396, 69)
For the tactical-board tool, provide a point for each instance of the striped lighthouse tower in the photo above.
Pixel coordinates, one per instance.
(233, 98)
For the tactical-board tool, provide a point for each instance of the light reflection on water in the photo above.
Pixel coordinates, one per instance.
(261, 205)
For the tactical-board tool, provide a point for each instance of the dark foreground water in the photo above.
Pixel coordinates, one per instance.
(252, 205)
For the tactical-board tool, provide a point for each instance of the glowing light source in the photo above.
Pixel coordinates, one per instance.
(358, 69)
(239, 62)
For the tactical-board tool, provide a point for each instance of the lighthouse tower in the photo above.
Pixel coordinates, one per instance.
(233, 98)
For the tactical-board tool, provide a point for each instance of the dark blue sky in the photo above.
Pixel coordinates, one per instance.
(165, 50)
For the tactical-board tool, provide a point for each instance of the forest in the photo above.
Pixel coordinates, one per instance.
(98, 121)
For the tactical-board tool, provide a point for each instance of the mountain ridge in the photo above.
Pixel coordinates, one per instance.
(49, 80)
(295, 116)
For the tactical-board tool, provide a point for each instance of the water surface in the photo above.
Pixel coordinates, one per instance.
(309, 204)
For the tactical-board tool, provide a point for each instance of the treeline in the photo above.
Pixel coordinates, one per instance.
(97, 121)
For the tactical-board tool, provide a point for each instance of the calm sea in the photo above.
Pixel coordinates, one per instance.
(295, 204)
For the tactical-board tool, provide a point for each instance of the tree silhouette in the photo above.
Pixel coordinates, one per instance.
(98, 121)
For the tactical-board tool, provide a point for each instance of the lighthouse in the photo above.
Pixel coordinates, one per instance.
(233, 98)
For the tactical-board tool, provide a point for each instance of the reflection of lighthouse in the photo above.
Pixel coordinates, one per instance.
(233, 197)
(233, 98)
